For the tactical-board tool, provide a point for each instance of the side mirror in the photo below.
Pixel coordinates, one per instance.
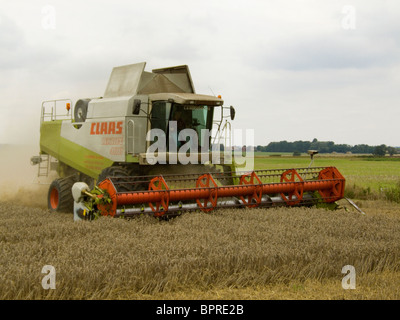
(136, 106)
(233, 112)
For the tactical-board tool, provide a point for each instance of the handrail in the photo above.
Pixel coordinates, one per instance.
(53, 114)
(130, 137)
(223, 132)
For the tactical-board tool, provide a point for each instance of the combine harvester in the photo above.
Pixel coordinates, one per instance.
(151, 145)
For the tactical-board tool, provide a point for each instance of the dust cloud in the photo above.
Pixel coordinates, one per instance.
(18, 178)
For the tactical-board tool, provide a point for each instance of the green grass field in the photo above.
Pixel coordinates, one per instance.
(373, 174)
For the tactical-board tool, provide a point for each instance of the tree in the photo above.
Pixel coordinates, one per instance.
(391, 151)
(362, 148)
(380, 151)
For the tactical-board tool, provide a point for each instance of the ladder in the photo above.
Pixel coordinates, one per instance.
(223, 136)
(44, 165)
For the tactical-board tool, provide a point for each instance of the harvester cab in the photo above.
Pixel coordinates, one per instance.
(151, 145)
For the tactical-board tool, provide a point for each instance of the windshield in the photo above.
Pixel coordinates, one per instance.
(166, 116)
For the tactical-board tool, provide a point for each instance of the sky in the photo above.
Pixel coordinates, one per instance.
(293, 69)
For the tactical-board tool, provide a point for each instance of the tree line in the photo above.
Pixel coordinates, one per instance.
(326, 147)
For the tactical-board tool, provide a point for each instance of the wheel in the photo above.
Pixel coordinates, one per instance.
(59, 198)
(121, 184)
(80, 111)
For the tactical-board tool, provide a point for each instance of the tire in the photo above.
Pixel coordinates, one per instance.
(116, 172)
(59, 197)
(80, 110)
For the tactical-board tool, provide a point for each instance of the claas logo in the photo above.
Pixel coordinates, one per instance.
(110, 127)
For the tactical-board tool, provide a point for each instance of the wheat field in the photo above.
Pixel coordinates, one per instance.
(258, 254)
(236, 254)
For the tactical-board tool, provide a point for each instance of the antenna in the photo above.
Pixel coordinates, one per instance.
(211, 91)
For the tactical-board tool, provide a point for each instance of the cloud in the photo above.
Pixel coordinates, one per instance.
(17, 53)
(280, 63)
(12, 45)
(330, 52)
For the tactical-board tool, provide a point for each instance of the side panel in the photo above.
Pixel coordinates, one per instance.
(80, 158)
(116, 107)
(50, 137)
(136, 129)
(105, 137)
(110, 107)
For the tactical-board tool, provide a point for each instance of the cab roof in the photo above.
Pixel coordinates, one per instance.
(187, 98)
